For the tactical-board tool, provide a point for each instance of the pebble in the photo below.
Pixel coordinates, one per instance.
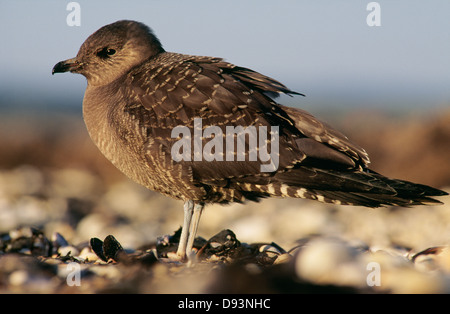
(68, 250)
(87, 255)
(18, 277)
(330, 261)
(432, 259)
(283, 258)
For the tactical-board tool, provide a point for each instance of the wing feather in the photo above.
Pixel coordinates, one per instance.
(174, 89)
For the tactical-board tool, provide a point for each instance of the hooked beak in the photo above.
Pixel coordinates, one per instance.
(66, 65)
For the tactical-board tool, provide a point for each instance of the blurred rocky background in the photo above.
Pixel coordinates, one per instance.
(57, 192)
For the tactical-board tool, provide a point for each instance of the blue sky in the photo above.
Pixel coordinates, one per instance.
(324, 49)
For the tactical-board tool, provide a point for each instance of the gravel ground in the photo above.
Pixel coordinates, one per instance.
(84, 229)
(47, 221)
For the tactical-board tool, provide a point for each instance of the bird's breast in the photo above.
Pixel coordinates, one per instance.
(122, 141)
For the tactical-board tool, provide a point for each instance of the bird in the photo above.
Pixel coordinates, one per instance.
(140, 99)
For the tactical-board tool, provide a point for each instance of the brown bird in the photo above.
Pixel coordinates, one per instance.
(140, 99)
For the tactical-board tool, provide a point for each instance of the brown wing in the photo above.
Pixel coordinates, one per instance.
(176, 89)
(172, 90)
(321, 140)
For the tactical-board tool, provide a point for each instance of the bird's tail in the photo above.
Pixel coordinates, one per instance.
(368, 188)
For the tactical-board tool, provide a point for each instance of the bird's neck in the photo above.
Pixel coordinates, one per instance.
(95, 114)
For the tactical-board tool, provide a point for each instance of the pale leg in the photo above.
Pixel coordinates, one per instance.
(198, 209)
(188, 210)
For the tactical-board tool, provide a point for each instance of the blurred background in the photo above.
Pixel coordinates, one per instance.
(386, 87)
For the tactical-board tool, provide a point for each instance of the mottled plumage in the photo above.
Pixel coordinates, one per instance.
(138, 93)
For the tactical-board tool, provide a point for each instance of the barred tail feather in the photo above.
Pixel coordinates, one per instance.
(368, 188)
(365, 188)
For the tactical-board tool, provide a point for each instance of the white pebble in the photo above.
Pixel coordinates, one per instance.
(65, 250)
(330, 261)
(283, 258)
(87, 255)
(18, 277)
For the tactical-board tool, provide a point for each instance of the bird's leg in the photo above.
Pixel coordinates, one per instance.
(198, 209)
(188, 210)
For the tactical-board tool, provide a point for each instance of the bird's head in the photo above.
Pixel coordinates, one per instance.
(112, 51)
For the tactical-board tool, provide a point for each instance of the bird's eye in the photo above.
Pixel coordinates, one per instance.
(105, 52)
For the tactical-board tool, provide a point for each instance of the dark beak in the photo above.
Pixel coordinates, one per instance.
(66, 65)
